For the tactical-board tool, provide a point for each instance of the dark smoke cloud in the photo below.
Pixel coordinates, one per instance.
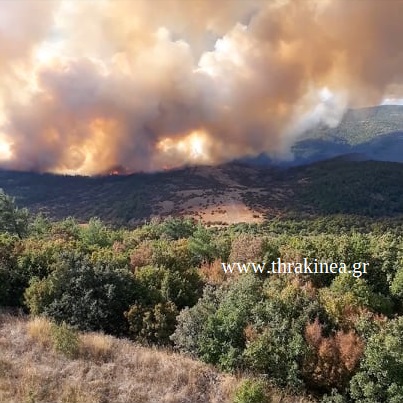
(94, 86)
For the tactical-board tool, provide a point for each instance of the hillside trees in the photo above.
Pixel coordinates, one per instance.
(379, 378)
(163, 284)
(12, 219)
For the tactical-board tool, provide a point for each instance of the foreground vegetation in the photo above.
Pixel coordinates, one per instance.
(335, 337)
(93, 368)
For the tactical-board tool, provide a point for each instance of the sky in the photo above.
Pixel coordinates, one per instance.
(100, 86)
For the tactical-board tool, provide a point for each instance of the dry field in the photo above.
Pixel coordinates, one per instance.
(104, 369)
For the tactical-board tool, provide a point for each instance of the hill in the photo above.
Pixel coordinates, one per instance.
(105, 369)
(375, 132)
(224, 194)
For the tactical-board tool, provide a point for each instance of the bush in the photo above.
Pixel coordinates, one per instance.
(177, 228)
(396, 287)
(191, 322)
(380, 376)
(250, 391)
(275, 337)
(157, 284)
(153, 324)
(213, 329)
(333, 359)
(65, 340)
(88, 296)
(12, 280)
(334, 397)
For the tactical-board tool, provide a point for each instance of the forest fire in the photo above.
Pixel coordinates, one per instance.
(190, 148)
(89, 86)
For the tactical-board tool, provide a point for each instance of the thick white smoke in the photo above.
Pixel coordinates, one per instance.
(95, 86)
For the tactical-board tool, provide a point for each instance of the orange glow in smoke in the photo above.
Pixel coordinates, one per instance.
(5, 150)
(193, 147)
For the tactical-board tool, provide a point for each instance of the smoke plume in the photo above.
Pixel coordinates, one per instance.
(96, 86)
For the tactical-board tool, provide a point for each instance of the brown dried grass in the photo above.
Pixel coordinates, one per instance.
(106, 369)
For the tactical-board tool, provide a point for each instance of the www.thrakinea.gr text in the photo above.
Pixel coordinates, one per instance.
(306, 266)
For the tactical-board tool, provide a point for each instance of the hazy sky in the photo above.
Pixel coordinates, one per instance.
(92, 86)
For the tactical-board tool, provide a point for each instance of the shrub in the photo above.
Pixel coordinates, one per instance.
(191, 322)
(222, 339)
(142, 255)
(12, 219)
(334, 397)
(177, 228)
(88, 296)
(202, 246)
(396, 287)
(65, 340)
(173, 255)
(250, 391)
(278, 351)
(95, 233)
(333, 359)
(276, 344)
(153, 324)
(380, 376)
(12, 280)
(158, 284)
(246, 248)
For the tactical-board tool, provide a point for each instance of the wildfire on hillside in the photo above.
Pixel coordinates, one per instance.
(85, 86)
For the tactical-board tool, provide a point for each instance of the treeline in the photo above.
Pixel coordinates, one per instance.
(336, 336)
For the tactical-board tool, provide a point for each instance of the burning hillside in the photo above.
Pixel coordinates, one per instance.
(93, 85)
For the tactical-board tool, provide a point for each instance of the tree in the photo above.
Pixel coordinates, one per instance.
(213, 329)
(96, 234)
(177, 228)
(202, 247)
(380, 376)
(86, 295)
(11, 279)
(152, 324)
(12, 219)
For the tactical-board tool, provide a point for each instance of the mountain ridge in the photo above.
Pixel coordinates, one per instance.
(223, 194)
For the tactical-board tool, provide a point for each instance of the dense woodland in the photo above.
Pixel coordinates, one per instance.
(337, 186)
(335, 337)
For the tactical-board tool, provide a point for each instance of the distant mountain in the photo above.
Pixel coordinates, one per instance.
(362, 125)
(376, 133)
(224, 194)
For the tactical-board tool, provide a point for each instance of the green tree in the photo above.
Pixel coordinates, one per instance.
(223, 340)
(86, 295)
(177, 228)
(380, 376)
(12, 219)
(152, 324)
(202, 246)
(191, 322)
(95, 233)
(12, 281)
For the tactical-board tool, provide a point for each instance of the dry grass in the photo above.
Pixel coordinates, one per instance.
(40, 330)
(97, 347)
(106, 370)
